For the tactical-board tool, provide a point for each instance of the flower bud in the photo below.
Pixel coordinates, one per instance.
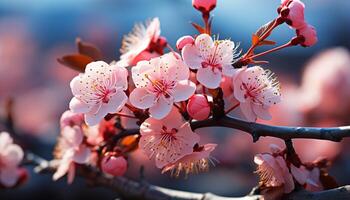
(198, 107)
(115, 166)
(309, 34)
(205, 6)
(183, 41)
(293, 11)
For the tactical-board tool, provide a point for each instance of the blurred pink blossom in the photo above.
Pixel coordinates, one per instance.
(11, 155)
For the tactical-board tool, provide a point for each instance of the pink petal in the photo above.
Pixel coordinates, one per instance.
(183, 90)
(5, 140)
(120, 74)
(191, 57)
(61, 170)
(141, 98)
(161, 108)
(116, 102)
(82, 155)
(73, 135)
(261, 112)
(228, 70)
(78, 106)
(12, 155)
(238, 91)
(300, 174)
(174, 119)
(204, 41)
(247, 111)
(209, 78)
(176, 69)
(8, 176)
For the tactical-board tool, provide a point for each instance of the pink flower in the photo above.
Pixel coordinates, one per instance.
(115, 166)
(167, 140)
(198, 107)
(99, 91)
(310, 179)
(273, 172)
(11, 156)
(69, 118)
(159, 83)
(198, 161)
(211, 59)
(204, 6)
(257, 90)
(69, 151)
(309, 34)
(137, 42)
(294, 10)
(183, 41)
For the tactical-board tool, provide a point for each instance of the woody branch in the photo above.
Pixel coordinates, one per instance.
(130, 189)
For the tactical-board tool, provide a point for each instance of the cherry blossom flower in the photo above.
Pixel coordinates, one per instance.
(99, 91)
(70, 151)
(310, 179)
(167, 140)
(294, 10)
(211, 59)
(309, 34)
(159, 83)
(204, 6)
(198, 161)
(11, 156)
(114, 165)
(256, 89)
(135, 44)
(273, 172)
(198, 107)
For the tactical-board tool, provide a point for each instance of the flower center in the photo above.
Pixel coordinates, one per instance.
(167, 135)
(252, 92)
(213, 60)
(103, 93)
(161, 87)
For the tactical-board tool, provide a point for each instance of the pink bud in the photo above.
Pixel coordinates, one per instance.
(183, 41)
(204, 6)
(198, 107)
(294, 12)
(309, 34)
(115, 166)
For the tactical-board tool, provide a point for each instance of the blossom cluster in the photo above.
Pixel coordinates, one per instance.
(162, 93)
(151, 97)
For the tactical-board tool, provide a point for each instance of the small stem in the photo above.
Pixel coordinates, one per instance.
(262, 38)
(232, 108)
(271, 50)
(206, 16)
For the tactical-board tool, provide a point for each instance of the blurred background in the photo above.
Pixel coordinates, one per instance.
(315, 81)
